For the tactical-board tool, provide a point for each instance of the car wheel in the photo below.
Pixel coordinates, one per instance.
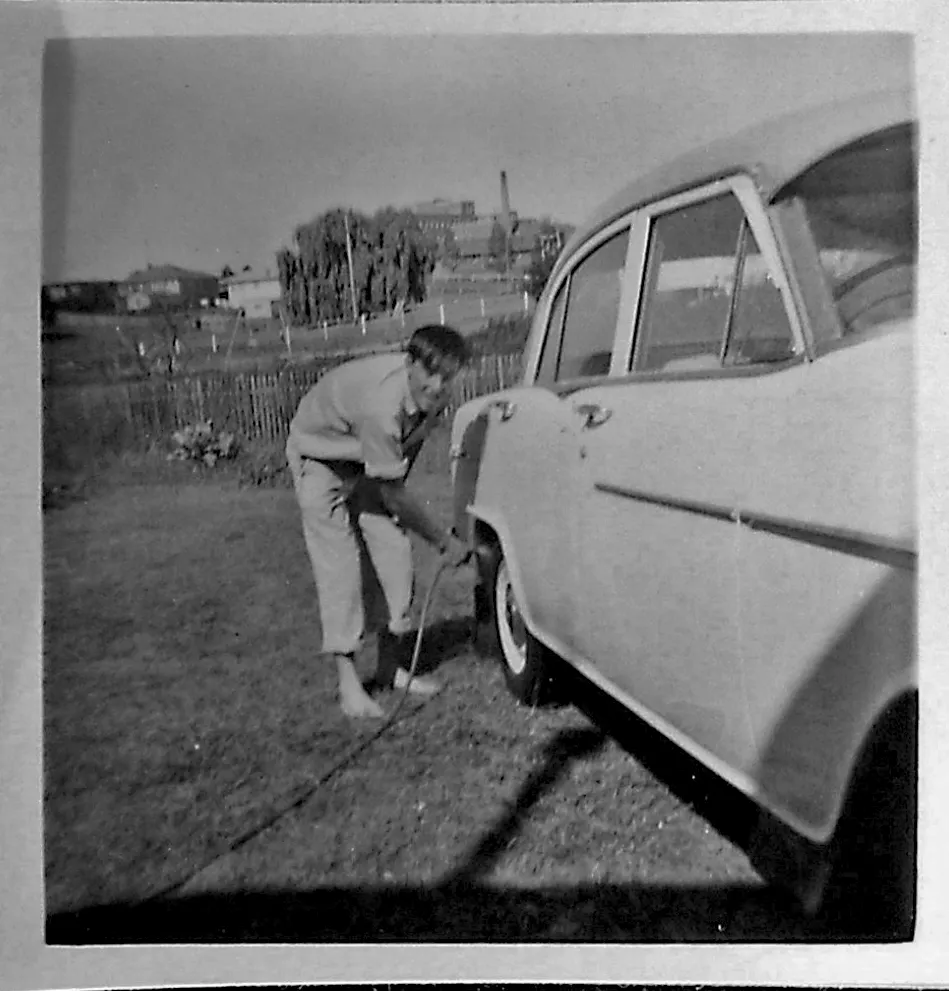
(502, 632)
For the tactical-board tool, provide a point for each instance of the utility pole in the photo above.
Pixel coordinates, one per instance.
(349, 255)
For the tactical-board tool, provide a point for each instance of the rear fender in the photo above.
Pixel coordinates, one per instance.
(805, 769)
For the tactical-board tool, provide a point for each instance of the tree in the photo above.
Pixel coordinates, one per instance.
(391, 258)
(547, 246)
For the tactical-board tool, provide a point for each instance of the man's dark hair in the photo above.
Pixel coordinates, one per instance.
(438, 349)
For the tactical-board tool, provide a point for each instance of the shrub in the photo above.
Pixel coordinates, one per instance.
(200, 442)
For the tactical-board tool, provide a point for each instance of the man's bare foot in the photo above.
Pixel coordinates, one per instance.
(419, 685)
(353, 699)
(360, 707)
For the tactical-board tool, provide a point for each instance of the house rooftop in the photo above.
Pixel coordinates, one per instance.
(245, 277)
(156, 272)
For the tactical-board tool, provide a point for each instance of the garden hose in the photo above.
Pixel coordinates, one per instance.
(300, 799)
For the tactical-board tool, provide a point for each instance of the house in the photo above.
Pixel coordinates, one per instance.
(168, 285)
(473, 239)
(82, 297)
(254, 294)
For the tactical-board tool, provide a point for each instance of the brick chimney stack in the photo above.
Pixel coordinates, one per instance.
(505, 204)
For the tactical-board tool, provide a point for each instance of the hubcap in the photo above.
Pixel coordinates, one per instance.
(511, 629)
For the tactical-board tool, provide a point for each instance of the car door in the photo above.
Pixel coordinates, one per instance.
(526, 488)
(665, 464)
(530, 480)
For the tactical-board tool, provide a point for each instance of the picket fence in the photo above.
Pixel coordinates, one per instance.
(258, 406)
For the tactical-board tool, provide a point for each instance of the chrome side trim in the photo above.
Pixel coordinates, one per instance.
(888, 552)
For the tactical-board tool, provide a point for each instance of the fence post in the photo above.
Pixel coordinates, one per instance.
(254, 408)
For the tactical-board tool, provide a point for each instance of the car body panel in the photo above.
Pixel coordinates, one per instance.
(729, 552)
(531, 435)
(653, 572)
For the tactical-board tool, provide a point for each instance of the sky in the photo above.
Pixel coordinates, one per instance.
(206, 151)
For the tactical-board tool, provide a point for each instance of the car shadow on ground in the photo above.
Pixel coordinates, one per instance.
(464, 905)
(737, 818)
(730, 812)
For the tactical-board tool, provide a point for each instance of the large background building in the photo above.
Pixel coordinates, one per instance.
(439, 215)
(457, 223)
(168, 285)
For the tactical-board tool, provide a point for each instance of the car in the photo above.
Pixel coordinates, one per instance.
(700, 495)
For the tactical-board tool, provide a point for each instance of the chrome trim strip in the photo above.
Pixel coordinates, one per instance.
(888, 552)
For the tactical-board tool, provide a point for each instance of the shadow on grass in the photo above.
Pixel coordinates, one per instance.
(464, 905)
(463, 912)
(731, 813)
(889, 915)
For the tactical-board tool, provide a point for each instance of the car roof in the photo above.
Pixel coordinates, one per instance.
(773, 153)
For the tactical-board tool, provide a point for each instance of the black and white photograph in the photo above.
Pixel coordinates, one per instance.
(480, 488)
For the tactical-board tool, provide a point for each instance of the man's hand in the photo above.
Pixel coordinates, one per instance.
(455, 552)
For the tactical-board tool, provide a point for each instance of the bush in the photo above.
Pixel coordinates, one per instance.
(200, 442)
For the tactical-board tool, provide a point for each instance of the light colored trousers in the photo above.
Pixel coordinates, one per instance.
(348, 536)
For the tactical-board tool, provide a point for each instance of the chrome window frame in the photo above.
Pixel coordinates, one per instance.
(542, 317)
(743, 188)
(639, 220)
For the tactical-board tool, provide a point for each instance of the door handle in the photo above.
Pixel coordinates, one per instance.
(592, 415)
(507, 408)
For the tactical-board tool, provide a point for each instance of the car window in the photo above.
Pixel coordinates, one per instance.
(707, 290)
(861, 207)
(690, 267)
(760, 330)
(547, 368)
(592, 306)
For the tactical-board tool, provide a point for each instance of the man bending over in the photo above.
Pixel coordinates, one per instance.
(349, 452)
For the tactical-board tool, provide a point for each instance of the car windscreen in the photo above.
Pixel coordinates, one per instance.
(861, 206)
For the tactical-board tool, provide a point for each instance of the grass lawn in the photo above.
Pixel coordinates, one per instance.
(186, 705)
(183, 687)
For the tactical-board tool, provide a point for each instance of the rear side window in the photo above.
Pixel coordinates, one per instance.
(588, 306)
(861, 205)
(708, 299)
